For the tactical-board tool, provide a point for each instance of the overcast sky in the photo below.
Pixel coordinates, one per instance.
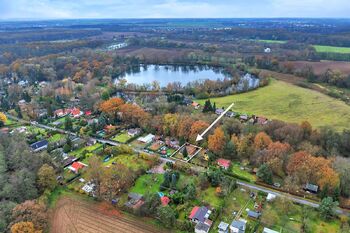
(67, 9)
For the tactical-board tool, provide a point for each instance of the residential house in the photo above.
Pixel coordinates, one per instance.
(61, 113)
(311, 188)
(135, 201)
(172, 143)
(238, 226)
(39, 146)
(223, 227)
(219, 111)
(76, 166)
(199, 214)
(134, 132)
(88, 113)
(69, 160)
(76, 113)
(147, 139)
(202, 227)
(91, 142)
(267, 230)
(195, 105)
(253, 214)
(243, 117)
(230, 114)
(224, 163)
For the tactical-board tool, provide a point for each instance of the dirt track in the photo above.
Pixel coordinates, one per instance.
(75, 216)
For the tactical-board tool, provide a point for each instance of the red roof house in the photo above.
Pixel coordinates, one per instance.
(88, 113)
(75, 112)
(76, 166)
(193, 212)
(224, 163)
(165, 200)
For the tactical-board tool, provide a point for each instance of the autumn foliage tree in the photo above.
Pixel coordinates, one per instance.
(3, 118)
(217, 141)
(307, 168)
(276, 157)
(133, 114)
(31, 211)
(24, 227)
(262, 141)
(197, 128)
(111, 106)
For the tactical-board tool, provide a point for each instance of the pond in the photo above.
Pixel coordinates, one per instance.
(166, 74)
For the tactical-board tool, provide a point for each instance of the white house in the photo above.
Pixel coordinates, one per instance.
(147, 139)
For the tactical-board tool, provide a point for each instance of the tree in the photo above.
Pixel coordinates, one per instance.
(217, 141)
(197, 128)
(31, 211)
(262, 141)
(327, 208)
(3, 119)
(111, 106)
(68, 124)
(190, 192)
(95, 173)
(167, 216)
(151, 204)
(184, 152)
(265, 173)
(230, 151)
(307, 129)
(24, 227)
(47, 177)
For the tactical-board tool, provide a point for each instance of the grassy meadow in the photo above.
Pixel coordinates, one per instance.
(287, 102)
(273, 41)
(331, 49)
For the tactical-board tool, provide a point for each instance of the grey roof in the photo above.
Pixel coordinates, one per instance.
(202, 227)
(311, 187)
(240, 225)
(253, 214)
(223, 226)
(200, 214)
(40, 144)
(135, 196)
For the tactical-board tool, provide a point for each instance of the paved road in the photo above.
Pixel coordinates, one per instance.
(244, 184)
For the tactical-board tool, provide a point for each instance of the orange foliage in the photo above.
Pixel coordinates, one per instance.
(262, 141)
(197, 128)
(24, 227)
(308, 168)
(216, 142)
(111, 106)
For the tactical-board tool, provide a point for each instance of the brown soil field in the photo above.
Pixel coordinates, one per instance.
(322, 66)
(77, 216)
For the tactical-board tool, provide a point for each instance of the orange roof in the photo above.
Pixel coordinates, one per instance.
(75, 111)
(77, 166)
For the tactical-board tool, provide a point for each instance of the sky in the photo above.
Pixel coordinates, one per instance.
(73, 9)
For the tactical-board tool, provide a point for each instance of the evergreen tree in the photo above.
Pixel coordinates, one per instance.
(265, 173)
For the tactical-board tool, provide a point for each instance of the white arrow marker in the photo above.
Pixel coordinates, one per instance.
(200, 136)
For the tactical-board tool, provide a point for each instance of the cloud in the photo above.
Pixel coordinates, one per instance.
(52, 9)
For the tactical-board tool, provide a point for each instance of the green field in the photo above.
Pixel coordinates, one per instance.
(331, 49)
(273, 41)
(287, 102)
(121, 137)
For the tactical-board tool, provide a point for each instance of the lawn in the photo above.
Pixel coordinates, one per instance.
(132, 161)
(121, 137)
(209, 196)
(273, 41)
(86, 148)
(148, 183)
(331, 49)
(56, 137)
(236, 169)
(287, 102)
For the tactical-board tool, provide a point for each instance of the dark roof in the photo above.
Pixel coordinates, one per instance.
(253, 214)
(68, 161)
(311, 187)
(40, 144)
(202, 227)
(200, 214)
